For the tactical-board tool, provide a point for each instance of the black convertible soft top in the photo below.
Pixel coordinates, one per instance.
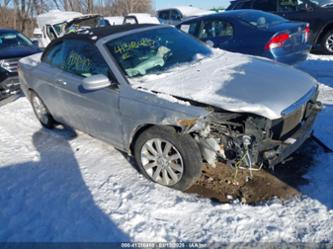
(95, 34)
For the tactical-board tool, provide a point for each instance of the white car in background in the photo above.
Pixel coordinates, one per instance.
(174, 16)
(55, 24)
(133, 18)
(114, 20)
(141, 18)
(50, 25)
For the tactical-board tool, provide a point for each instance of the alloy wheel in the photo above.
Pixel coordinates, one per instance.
(162, 162)
(40, 109)
(329, 43)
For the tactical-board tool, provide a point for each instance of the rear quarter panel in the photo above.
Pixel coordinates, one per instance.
(39, 78)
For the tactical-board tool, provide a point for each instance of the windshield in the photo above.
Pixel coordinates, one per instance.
(155, 51)
(91, 22)
(261, 20)
(59, 28)
(14, 39)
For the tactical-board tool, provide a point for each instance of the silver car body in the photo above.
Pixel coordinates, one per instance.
(234, 84)
(239, 83)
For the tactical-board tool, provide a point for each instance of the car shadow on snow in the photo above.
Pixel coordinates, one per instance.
(47, 200)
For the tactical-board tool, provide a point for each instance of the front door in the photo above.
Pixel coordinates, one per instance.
(95, 112)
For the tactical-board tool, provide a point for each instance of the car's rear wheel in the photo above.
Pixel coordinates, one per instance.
(327, 43)
(41, 111)
(168, 158)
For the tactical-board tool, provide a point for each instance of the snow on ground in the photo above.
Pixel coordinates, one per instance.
(65, 186)
(321, 67)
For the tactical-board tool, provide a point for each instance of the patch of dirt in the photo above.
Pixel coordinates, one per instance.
(220, 183)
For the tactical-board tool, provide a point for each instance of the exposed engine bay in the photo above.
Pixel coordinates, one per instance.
(249, 141)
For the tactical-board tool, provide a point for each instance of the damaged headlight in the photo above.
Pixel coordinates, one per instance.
(195, 125)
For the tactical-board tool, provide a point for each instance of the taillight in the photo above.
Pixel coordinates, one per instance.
(307, 32)
(307, 28)
(277, 41)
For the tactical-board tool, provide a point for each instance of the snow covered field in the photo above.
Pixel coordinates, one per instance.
(68, 187)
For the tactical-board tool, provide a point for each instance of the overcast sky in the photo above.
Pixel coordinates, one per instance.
(207, 4)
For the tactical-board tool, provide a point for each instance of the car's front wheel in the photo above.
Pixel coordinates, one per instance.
(41, 111)
(327, 42)
(168, 158)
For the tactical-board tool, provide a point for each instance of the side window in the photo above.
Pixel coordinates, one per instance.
(211, 29)
(190, 28)
(265, 5)
(164, 15)
(50, 32)
(54, 56)
(130, 20)
(288, 5)
(84, 59)
(175, 15)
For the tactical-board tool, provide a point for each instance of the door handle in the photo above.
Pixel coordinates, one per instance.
(61, 82)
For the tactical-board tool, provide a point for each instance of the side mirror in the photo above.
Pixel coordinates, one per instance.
(96, 82)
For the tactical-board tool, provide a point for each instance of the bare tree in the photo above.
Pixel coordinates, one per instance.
(129, 6)
(4, 3)
(20, 14)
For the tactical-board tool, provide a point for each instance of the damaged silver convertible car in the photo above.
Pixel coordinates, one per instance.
(171, 101)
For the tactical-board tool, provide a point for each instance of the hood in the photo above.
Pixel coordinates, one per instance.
(234, 82)
(18, 52)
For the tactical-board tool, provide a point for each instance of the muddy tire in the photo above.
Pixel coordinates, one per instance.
(168, 158)
(327, 43)
(41, 111)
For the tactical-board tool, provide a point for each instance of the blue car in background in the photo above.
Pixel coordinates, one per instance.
(253, 32)
(13, 46)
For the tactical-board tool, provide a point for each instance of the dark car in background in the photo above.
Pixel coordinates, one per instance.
(252, 32)
(13, 46)
(318, 13)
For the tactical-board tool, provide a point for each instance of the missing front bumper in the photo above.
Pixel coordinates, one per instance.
(284, 149)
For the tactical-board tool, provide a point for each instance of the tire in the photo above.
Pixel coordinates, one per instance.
(41, 111)
(177, 165)
(327, 43)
